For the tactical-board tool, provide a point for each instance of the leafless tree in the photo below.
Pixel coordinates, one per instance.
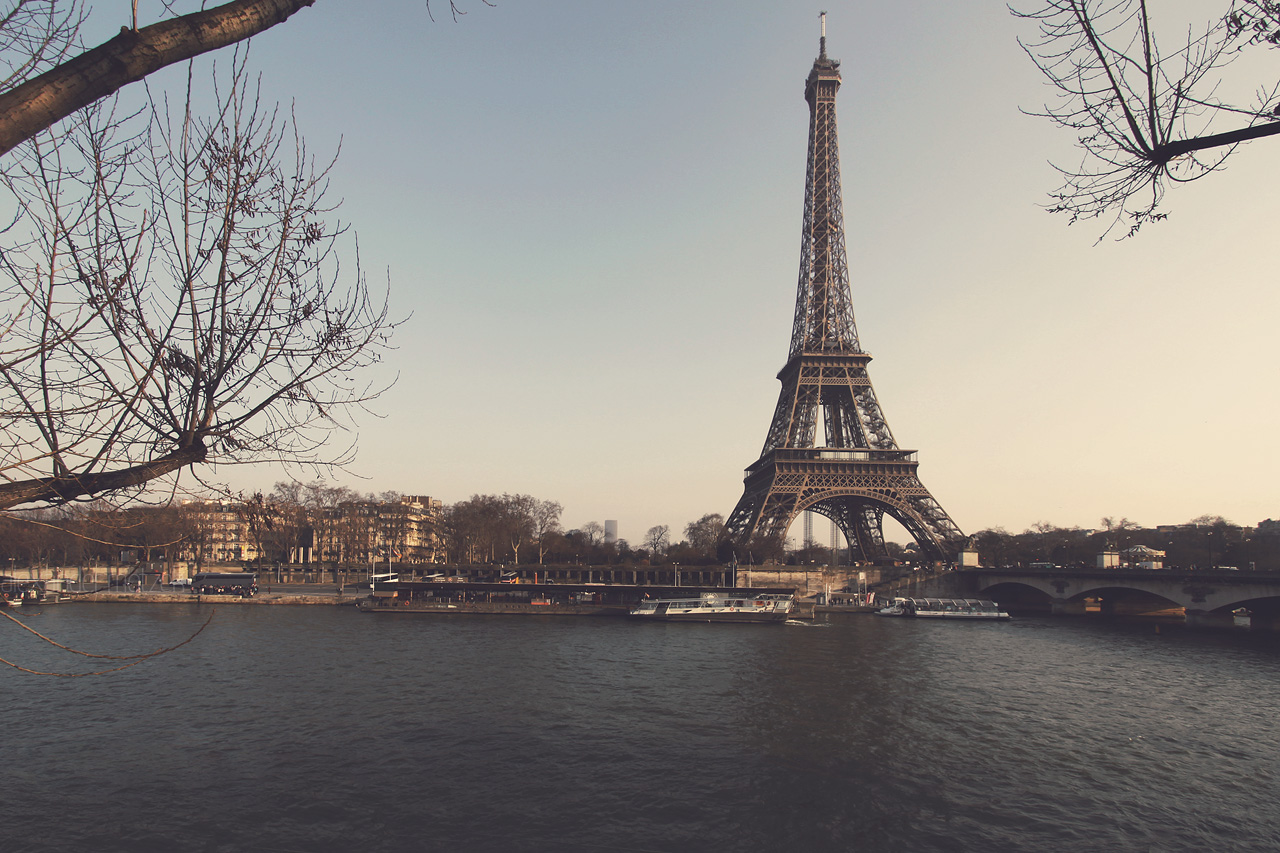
(294, 528)
(262, 515)
(484, 526)
(705, 534)
(322, 502)
(172, 296)
(546, 525)
(524, 519)
(515, 522)
(395, 523)
(656, 539)
(357, 531)
(592, 533)
(1118, 532)
(1145, 118)
(471, 526)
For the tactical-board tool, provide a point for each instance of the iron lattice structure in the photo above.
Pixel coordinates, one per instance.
(858, 473)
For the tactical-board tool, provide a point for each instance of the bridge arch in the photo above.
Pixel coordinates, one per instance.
(1205, 598)
(1017, 597)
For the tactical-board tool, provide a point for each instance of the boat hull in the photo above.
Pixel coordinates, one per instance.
(740, 616)
(492, 608)
(961, 609)
(717, 608)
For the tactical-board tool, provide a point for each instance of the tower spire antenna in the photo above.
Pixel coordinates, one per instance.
(822, 41)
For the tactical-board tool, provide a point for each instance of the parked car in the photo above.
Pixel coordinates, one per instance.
(182, 582)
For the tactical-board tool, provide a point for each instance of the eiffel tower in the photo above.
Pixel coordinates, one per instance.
(858, 473)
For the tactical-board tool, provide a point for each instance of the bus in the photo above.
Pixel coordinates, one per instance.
(243, 584)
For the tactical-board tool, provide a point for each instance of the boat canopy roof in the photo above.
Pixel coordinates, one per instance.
(980, 603)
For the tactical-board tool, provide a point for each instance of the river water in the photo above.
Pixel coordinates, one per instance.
(324, 729)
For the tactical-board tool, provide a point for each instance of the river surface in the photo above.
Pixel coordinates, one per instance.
(324, 729)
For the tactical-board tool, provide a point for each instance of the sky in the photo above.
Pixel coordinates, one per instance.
(590, 214)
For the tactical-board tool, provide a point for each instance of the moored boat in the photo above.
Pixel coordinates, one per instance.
(896, 608)
(945, 608)
(35, 597)
(717, 607)
(38, 593)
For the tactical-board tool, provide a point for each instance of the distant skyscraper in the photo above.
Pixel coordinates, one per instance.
(610, 531)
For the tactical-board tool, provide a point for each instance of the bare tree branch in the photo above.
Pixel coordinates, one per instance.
(1142, 117)
(36, 104)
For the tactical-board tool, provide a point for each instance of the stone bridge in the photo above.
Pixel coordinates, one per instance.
(1206, 597)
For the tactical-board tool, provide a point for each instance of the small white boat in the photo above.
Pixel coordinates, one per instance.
(896, 608)
(717, 607)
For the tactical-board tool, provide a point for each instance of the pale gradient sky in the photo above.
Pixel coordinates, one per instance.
(592, 211)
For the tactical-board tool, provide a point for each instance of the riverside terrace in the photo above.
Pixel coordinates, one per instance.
(567, 599)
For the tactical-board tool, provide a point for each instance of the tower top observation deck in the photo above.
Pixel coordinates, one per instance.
(824, 68)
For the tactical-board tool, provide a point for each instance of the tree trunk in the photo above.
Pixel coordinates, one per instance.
(133, 54)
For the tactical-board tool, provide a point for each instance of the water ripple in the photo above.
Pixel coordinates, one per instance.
(321, 729)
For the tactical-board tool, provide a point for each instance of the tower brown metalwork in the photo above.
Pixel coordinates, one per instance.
(858, 473)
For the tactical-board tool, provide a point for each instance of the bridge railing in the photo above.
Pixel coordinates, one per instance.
(1241, 576)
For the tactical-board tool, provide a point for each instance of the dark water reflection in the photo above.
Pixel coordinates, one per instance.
(321, 729)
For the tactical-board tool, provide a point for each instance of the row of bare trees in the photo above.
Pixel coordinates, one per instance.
(703, 544)
(494, 528)
(292, 521)
(328, 524)
(518, 528)
(96, 534)
(1201, 543)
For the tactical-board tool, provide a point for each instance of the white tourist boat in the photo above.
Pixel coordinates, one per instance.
(894, 608)
(945, 608)
(717, 607)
